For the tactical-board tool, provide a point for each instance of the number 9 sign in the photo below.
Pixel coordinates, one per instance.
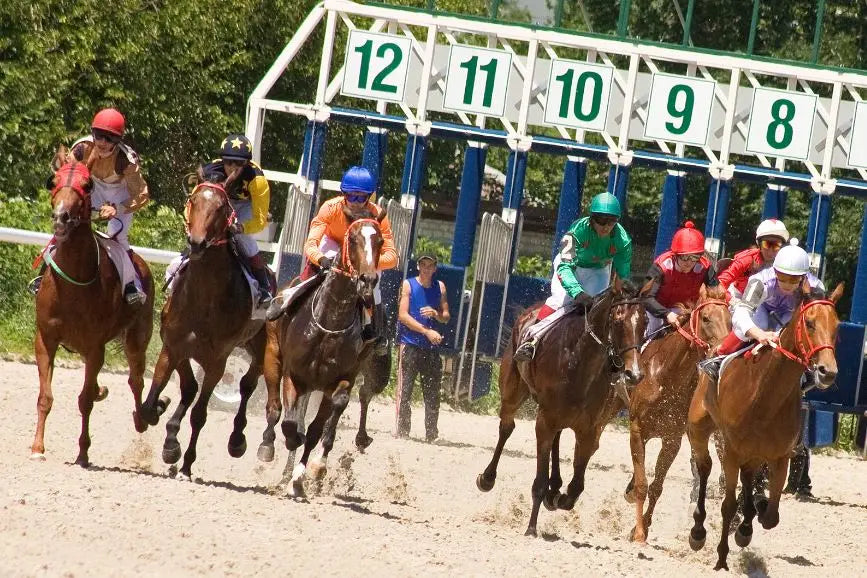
(376, 66)
(679, 109)
(781, 123)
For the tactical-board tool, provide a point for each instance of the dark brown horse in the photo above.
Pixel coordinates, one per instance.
(660, 402)
(572, 379)
(317, 346)
(206, 316)
(757, 407)
(80, 306)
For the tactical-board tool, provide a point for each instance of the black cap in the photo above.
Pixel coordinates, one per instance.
(420, 258)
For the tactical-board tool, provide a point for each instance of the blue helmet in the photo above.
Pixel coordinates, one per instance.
(358, 180)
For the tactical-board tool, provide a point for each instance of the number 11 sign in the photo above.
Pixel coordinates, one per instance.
(376, 66)
(477, 80)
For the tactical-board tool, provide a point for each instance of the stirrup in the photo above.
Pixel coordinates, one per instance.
(133, 296)
(264, 299)
(526, 351)
(710, 367)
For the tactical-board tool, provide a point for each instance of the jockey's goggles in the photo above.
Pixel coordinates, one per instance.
(770, 244)
(788, 280)
(106, 136)
(356, 197)
(693, 258)
(604, 220)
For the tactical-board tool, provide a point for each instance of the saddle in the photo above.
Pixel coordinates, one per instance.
(292, 294)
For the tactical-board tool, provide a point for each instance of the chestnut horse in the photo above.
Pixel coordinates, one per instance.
(317, 346)
(206, 316)
(81, 307)
(660, 402)
(757, 407)
(572, 379)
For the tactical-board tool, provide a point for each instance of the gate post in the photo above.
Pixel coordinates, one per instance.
(718, 210)
(858, 312)
(618, 180)
(775, 202)
(373, 156)
(412, 183)
(817, 230)
(670, 210)
(469, 200)
(311, 161)
(571, 193)
(513, 195)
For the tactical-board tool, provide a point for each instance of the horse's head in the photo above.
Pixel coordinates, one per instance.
(711, 319)
(70, 195)
(207, 216)
(360, 251)
(626, 332)
(816, 332)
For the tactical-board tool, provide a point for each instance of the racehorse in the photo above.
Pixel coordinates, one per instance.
(571, 379)
(317, 345)
(660, 402)
(81, 307)
(757, 407)
(206, 316)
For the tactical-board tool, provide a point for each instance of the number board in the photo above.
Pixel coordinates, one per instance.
(858, 143)
(679, 109)
(477, 80)
(578, 94)
(376, 66)
(781, 123)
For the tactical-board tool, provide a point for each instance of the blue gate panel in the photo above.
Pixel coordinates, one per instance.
(850, 339)
(822, 428)
(290, 267)
(523, 292)
(481, 385)
(489, 320)
(453, 278)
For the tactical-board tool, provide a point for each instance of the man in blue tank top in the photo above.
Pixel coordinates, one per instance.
(422, 303)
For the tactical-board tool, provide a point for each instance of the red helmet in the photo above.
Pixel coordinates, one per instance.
(109, 120)
(687, 240)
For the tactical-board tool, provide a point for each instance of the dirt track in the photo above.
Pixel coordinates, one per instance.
(404, 507)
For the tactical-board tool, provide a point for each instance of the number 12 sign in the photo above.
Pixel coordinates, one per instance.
(376, 66)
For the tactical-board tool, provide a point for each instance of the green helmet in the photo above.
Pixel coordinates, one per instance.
(605, 204)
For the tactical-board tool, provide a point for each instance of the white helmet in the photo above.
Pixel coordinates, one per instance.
(792, 260)
(772, 228)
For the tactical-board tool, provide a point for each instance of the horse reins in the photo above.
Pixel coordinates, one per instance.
(692, 335)
(801, 335)
(346, 264)
(231, 220)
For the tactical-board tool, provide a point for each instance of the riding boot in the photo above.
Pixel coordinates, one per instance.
(260, 273)
(35, 283)
(131, 293)
(526, 351)
(711, 366)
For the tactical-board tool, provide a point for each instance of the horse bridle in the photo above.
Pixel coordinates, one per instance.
(81, 171)
(614, 356)
(802, 334)
(692, 335)
(231, 220)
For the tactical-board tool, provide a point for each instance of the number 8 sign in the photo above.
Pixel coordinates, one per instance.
(376, 66)
(781, 123)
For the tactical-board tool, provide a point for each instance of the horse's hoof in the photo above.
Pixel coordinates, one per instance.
(236, 451)
(296, 489)
(162, 405)
(139, 423)
(564, 502)
(531, 531)
(37, 457)
(182, 477)
(101, 393)
(635, 537)
(549, 500)
(697, 543)
(743, 536)
(721, 565)
(171, 454)
(761, 504)
(318, 470)
(265, 453)
(484, 484)
(362, 442)
(82, 461)
(629, 496)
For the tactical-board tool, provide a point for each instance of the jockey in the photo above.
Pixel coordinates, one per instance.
(771, 235)
(767, 304)
(250, 197)
(676, 277)
(329, 227)
(118, 187)
(582, 268)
